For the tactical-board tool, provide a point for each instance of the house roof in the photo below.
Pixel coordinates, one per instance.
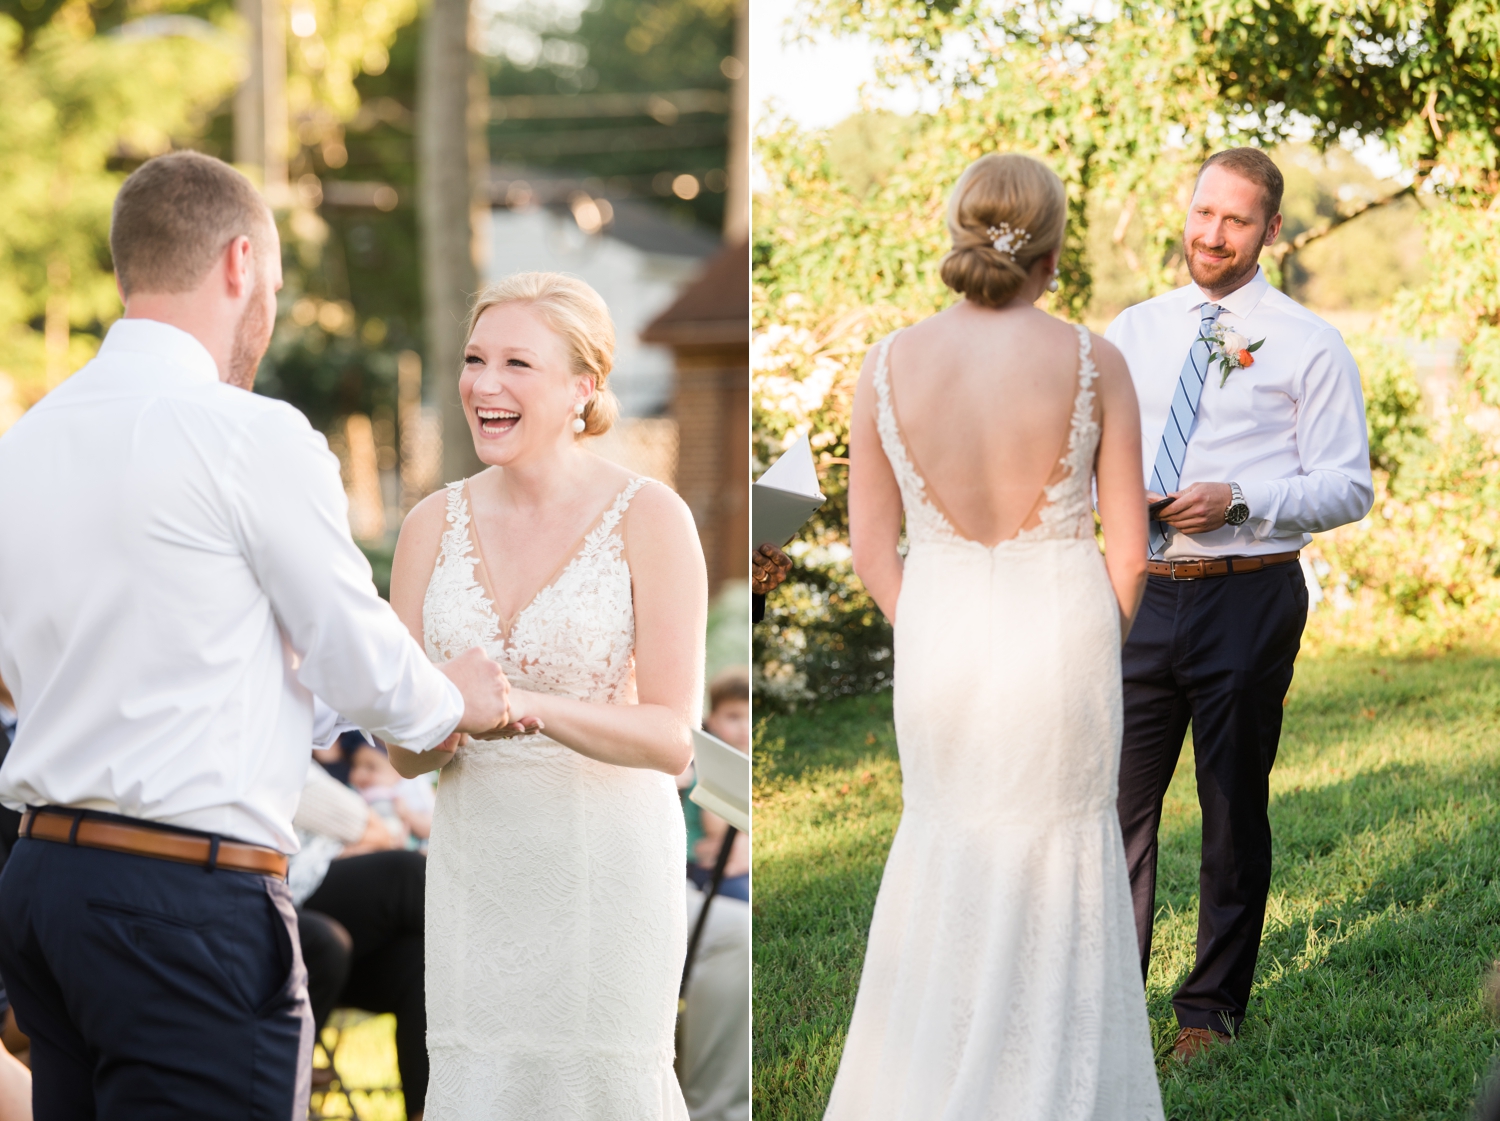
(714, 309)
(637, 222)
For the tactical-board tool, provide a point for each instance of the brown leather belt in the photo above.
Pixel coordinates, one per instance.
(72, 827)
(1225, 566)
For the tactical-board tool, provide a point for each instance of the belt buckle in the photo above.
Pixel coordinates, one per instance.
(1185, 564)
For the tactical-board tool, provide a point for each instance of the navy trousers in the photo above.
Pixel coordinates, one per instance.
(154, 989)
(1215, 653)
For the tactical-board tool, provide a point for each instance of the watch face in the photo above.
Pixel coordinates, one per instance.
(1237, 514)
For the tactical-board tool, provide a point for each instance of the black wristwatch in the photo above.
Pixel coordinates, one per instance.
(1238, 512)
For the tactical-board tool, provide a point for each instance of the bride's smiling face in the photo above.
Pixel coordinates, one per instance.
(518, 388)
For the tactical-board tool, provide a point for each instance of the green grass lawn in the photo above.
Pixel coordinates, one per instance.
(366, 1057)
(1384, 912)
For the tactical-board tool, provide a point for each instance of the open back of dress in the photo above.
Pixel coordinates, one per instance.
(1002, 977)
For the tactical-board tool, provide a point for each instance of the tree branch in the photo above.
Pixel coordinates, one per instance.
(1281, 251)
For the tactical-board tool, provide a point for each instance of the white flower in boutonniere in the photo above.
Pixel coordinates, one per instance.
(1231, 350)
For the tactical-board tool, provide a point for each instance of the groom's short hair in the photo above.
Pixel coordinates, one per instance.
(174, 216)
(1256, 166)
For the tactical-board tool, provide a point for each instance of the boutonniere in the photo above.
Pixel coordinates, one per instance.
(1231, 350)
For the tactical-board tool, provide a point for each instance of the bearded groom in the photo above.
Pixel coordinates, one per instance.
(1253, 429)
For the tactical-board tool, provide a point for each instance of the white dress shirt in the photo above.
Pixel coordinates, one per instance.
(177, 581)
(1289, 429)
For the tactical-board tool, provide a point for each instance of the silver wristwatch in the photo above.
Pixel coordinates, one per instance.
(1238, 512)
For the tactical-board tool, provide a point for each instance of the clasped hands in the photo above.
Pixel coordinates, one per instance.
(488, 702)
(1199, 508)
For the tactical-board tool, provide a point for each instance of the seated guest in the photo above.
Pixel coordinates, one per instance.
(404, 804)
(714, 1053)
(336, 757)
(360, 918)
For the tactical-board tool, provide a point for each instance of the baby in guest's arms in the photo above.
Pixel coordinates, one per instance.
(404, 804)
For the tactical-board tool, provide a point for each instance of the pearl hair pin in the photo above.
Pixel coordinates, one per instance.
(1006, 239)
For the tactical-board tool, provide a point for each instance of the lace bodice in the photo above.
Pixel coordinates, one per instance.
(555, 924)
(1066, 510)
(577, 635)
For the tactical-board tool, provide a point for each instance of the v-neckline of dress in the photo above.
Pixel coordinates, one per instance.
(506, 627)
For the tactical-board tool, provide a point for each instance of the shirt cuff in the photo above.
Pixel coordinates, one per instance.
(451, 713)
(1261, 499)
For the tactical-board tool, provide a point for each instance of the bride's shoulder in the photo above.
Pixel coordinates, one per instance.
(1108, 360)
(655, 507)
(422, 529)
(429, 516)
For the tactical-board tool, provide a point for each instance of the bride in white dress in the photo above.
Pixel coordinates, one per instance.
(555, 909)
(1002, 977)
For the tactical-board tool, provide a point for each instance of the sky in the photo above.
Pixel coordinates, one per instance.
(817, 84)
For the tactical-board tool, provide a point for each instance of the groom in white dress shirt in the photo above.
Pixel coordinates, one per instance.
(1253, 421)
(177, 581)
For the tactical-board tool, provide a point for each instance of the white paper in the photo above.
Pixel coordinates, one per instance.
(723, 779)
(785, 496)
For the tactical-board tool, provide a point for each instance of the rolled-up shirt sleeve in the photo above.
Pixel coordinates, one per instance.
(351, 650)
(1335, 486)
(330, 808)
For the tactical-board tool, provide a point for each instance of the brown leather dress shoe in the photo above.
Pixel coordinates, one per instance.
(1192, 1042)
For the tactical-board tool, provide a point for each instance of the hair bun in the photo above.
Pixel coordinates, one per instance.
(1011, 199)
(983, 274)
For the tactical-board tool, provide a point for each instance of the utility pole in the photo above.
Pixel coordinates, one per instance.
(737, 167)
(260, 120)
(452, 209)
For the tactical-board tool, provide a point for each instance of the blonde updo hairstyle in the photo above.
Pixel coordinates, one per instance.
(578, 316)
(1001, 189)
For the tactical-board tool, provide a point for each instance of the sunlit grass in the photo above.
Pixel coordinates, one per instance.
(366, 1059)
(1384, 909)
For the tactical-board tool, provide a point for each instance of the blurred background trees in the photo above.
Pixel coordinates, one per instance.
(1396, 247)
(385, 133)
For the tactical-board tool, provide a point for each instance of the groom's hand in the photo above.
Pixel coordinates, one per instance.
(1199, 508)
(485, 690)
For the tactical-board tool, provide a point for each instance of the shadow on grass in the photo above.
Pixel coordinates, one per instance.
(1385, 904)
(1367, 1004)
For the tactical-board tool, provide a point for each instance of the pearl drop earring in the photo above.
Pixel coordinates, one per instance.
(579, 424)
(1052, 284)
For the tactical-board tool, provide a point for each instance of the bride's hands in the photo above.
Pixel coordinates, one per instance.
(526, 705)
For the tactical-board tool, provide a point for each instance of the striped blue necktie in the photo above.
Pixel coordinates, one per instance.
(1166, 474)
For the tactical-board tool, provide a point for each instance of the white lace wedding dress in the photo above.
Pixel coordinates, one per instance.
(1002, 978)
(555, 910)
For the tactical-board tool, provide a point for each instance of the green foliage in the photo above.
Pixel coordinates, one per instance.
(1393, 408)
(1415, 73)
(363, 260)
(822, 637)
(77, 110)
(620, 46)
(850, 231)
(1381, 921)
(1363, 262)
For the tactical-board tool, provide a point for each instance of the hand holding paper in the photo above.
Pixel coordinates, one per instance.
(785, 496)
(723, 780)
